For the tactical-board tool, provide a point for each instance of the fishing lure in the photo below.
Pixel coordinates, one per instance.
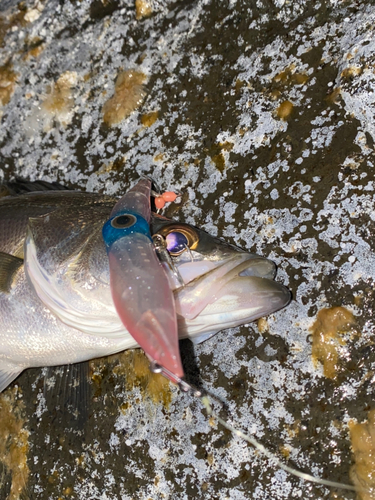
(139, 285)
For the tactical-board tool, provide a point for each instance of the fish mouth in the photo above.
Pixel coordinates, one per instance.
(243, 300)
(246, 264)
(243, 282)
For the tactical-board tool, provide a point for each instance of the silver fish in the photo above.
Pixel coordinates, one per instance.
(55, 300)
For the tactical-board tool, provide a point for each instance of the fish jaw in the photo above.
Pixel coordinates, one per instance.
(193, 298)
(242, 300)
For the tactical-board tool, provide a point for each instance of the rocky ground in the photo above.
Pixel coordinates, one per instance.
(262, 114)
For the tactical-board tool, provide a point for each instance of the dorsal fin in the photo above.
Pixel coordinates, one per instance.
(9, 265)
(22, 186)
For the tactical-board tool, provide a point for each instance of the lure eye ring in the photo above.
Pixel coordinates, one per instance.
(123, 221)
(190, 234)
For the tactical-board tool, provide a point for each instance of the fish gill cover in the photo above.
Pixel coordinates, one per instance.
(263, 117)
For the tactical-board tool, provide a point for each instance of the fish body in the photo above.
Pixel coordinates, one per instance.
(56, 305)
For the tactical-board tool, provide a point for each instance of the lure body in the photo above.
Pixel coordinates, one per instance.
(140, 288)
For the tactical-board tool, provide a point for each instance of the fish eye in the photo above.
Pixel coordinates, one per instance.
(176, 242)
(179, 237)
(123, 221)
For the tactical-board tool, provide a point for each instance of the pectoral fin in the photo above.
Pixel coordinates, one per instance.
(7, 375)
(9, 265)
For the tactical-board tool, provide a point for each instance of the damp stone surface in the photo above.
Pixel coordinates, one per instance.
(262, 114)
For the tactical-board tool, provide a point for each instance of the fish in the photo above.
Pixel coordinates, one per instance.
(56, 304)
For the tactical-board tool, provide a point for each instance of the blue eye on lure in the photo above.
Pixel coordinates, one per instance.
(176, 242)
(124, 224)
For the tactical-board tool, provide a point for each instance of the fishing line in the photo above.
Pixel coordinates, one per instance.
(190, 253)
(206, 402)
(262, 449)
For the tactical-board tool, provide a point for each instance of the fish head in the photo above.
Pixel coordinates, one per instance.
(216, 285)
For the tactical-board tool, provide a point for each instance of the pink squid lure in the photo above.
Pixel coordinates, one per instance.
(139, 286)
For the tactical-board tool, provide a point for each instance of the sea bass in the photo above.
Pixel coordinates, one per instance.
(56, 305)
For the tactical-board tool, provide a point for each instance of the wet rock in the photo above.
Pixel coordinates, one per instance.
(263, 117)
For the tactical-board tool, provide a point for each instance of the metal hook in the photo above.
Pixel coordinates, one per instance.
(190, 253)
(182, 384)
(142, 176)
(160, 244)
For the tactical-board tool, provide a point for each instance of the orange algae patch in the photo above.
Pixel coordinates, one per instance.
(216, 154)
(135, 367)
(68, 491)
(14, 441)
(362, 473)
(285, 450)
(327, 330)
(159, 157)
(289, 77)
(57, 106)
(239, 85)
(284, 110)
(351, 72)
(129, 95)
(149, 119)
(293, 429)
(262, 325)
(143, 8)
(7, 83)
(219, 162)
(59, 101)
